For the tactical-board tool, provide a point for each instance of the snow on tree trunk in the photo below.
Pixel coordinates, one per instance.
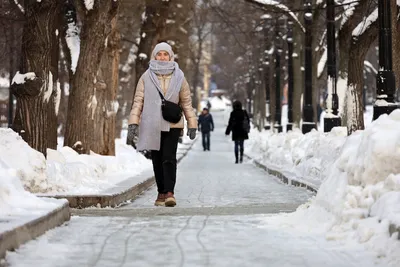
(36, 118)
(79, 132)
(106, 95)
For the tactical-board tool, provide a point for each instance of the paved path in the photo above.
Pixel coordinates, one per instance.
(223, 218)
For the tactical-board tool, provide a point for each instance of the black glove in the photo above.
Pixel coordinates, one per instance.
(191, 133)
(133, 130)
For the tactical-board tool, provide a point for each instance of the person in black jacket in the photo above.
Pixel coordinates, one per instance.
(206, 125)
(239, 125)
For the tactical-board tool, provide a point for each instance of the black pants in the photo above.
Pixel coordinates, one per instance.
(239, 147)
(206, 140)
(164, 161)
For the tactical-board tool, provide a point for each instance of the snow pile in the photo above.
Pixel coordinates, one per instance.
(362, 190)
(30, 165)
(359, 194)
(14, 200)
(308, 157)
(65, 171)
(75, 173)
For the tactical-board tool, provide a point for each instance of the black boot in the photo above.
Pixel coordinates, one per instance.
(241, 156)
(236, 158)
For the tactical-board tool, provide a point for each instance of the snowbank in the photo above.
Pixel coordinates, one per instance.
(358, 179)
(15, 201)
(29, 164)
(65, 171)
(306, 156)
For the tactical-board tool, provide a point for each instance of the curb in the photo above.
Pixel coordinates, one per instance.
(12, 239)
(283, 177)
(115, 196)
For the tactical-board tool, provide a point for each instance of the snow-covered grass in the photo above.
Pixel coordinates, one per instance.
(65, 171)
(358, 180)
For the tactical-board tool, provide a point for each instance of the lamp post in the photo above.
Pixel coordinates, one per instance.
(385, 80)
(289, 40)
(266, 72)
(278, 51)
(308, 112)
(331, 118)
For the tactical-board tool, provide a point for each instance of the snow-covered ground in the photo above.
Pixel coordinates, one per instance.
(358, 180)
(18, 206)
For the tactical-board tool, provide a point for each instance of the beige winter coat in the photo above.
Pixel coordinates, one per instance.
(185, 101)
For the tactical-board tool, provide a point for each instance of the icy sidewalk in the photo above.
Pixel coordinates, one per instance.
(231, 241)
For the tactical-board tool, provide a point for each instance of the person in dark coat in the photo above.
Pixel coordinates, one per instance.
(206, 125)
(239, 125)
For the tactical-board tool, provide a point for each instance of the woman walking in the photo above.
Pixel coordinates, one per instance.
(239, 125)
(160, 93)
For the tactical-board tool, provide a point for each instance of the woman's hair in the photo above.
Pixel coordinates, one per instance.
(237, 104)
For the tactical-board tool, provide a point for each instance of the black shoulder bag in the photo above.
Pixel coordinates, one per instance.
(170, 111)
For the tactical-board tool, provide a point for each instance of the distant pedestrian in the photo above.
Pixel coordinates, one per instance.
(239, 125)
(155, 108)
(206, 125)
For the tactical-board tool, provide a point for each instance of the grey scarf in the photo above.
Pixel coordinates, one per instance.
(152, 123)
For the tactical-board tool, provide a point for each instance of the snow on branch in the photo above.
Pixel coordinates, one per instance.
(20, 78)
(322, 41)
(89, 4)
(19, 6)
(322, 63)
(365, 23)
(349, 7)
(370, 66)
(277, 5)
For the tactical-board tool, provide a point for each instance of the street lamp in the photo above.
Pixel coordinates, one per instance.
(289, 40)
(308, 112)
(385, 80)
(331, 118)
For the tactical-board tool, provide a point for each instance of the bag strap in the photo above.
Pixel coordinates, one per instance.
(161, 95)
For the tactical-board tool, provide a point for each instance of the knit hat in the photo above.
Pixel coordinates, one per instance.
(163, 47)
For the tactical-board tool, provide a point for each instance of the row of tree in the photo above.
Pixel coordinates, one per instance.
(256, 43)
(86, 57)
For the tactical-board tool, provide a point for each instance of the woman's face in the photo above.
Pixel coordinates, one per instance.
(163, 56)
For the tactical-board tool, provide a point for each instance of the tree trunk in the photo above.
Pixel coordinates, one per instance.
(79, 132)
(106, 92)
(396, 41)
(62, 113)
(37, 99)
(354, 93)
(298, 76)
(272, 92)
(196, 73)
(153, 26)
